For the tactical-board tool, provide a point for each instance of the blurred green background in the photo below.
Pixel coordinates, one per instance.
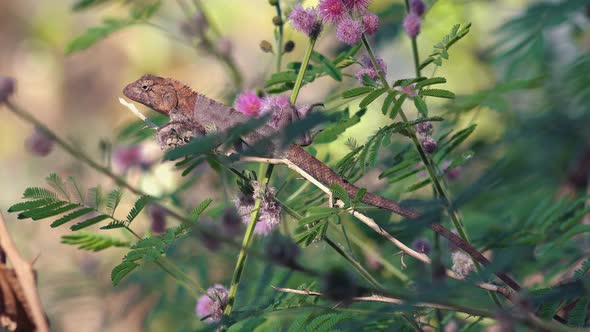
(77, 96)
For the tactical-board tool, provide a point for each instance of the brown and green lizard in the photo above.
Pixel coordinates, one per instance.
(198, 115)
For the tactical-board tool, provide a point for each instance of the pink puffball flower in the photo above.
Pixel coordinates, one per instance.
(306, 20)
(349, 31)
(332, 11)
(273, 104)
(412, 24)
(248, 103)
(39, 143)
(368, 71)
(211, 305)
(157, 216)
(357, 5)
(370, 23)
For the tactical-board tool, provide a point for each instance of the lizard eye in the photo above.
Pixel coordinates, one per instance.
(145, 87)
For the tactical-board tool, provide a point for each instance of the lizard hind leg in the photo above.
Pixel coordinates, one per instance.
(178, 131)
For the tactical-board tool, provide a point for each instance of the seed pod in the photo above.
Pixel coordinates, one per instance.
(289, 46)
(266, 46)
(277, 21)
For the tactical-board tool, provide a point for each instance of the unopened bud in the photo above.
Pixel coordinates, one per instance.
(266, 46)
(339, 285)
(289, 46)
(428, 143)
(39, 143)
(158, 218)
(273, 2)
(7, 85)
(277, 21)
(282, 250)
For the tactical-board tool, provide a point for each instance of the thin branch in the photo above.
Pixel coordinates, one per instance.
(372, 224)
(25, 275)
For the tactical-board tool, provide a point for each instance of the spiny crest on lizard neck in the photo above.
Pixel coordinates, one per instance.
(161, 94)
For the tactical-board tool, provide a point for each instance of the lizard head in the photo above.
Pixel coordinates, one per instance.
(153, 91)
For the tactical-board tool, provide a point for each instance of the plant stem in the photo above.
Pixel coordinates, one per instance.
(279, 38)
(302, 70)
(355, 264)
(241, 262)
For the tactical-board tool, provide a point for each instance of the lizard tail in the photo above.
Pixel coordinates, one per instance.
(326, 175)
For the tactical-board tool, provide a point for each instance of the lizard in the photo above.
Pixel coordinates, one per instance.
(193, 113)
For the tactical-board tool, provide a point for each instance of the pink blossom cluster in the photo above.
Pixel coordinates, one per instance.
(249, 103)
(210, 306)
(413, 20)
(351, 17)
(368, 71)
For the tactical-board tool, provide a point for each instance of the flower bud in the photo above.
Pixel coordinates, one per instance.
(266, 47)
(289, 46)
(412, 23)
(273, 2)
(428, 143)
(422, 245)
(158, 218)
(39, 143)
(231, 221)
(7, 85)
(424, 128)
(211, 306)
(417, 7)
(339, 285)
(277, 21)
(282, 250)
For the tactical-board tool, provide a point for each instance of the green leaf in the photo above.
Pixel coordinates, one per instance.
(421, 106)
(114, 225)
(359, 195)
(281, 77)
(71, 216)
(196, 212)
(371, 97)
(28, 205)
(144, 12)
(355, 92)
(137, 207)
(328, 66)
(439, 93)
(85, 4)
(418, 185)
(36, 192)
(578, 315)
(431, 81)
(121, 271)
(112, 201)
(331, 133)
(388, 101)
(340, 193)
(397, 106)
(57, 183)
(92, 241)
(54, 212)
(42, 209)
(89, 222)
(95, 34)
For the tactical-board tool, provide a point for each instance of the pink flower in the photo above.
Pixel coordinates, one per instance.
(367, 63)
(349, 31)
(306, 21)
(39, 143)
(332, 11)
(211, 306)
(370, 23)
(158, 218)
(424, 127)
(408, 90)
(368, 70)
(366, 73)
(128, 156)
(417, 7)
(358, 5)
(412, 24)
(270, 212)
(248, 103)
(271, 104)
